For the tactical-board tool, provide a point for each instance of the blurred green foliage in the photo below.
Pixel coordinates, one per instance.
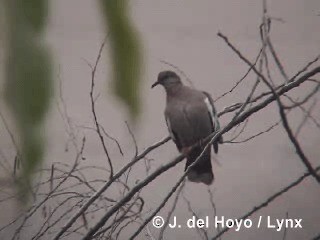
(126, 56)
(29, 84)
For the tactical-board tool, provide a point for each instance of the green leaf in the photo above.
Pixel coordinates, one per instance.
(34, 12)
(28, 84)
(126, 56)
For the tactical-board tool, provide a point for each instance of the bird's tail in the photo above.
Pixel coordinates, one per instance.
(202, 170)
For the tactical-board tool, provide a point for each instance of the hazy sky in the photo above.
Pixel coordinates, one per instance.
(184, 33)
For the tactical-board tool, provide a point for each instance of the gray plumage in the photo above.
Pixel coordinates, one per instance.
(190, 116)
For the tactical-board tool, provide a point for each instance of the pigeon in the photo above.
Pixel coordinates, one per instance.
(190, 117)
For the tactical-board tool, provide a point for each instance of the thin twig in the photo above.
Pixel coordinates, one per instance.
(281, 110)
(97, 194)
(93, 109)
(269, 200)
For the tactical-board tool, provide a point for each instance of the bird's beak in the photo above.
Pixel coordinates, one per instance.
(155, 84)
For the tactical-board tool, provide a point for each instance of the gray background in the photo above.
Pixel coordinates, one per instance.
(184, 34)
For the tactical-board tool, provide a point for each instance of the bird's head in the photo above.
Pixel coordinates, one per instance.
(167, 79)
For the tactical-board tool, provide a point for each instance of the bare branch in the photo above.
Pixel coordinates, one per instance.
(282, 113)
(269, 200)
(96, 195)
(133, 139)
(93, 109)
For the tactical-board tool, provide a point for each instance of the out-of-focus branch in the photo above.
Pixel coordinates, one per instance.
(316, 237)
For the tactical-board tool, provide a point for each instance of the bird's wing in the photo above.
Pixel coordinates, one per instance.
(172, 133)
(213, 118)
(212, 111)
